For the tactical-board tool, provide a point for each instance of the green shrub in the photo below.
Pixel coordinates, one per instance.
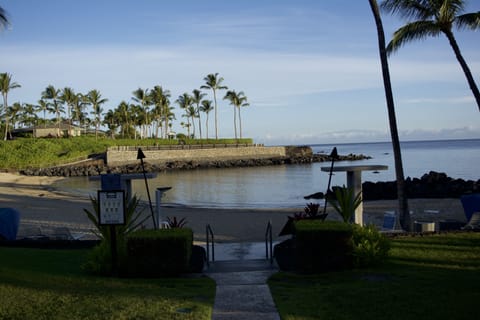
(100, 259)
(370, 247)
(323, 246)
(159, 252)
(346, 202)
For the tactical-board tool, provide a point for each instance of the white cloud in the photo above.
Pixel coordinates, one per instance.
(449, 101)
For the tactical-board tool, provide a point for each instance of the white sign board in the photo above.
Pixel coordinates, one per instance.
(111, 207)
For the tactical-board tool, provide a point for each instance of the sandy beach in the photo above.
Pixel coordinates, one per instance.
(41, 206)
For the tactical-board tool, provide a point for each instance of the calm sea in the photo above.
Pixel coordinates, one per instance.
(285, 186)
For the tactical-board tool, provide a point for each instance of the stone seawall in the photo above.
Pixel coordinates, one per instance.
(123, 156)
(124, 159)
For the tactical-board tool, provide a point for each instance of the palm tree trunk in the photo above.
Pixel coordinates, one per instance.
(235, 121)
(5, 104)
(402, 199)
(199, 124)
(216, 120)
(193, 126)
(463, 64)
(206, 125)
(240, 121)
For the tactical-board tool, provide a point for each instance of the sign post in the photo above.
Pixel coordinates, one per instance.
(111, 211)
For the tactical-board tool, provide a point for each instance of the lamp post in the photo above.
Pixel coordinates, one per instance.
(333, 156)
(141, 156)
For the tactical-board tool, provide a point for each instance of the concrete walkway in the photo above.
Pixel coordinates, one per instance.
(242, 292)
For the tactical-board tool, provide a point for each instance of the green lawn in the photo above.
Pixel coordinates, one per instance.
(430, 277)
(49, 284)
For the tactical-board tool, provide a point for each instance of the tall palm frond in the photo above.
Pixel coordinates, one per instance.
(432, 18)
(214, 83)
(4, 23)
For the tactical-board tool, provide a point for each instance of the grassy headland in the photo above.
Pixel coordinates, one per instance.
(27, 152)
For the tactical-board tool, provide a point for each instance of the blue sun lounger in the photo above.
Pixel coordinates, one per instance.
(471, 204)
(471, 207)
(9, 222)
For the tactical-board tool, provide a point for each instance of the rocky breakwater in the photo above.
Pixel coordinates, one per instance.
(430, 185)
(293, 155)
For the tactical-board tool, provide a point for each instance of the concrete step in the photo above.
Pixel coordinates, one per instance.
(241, 266)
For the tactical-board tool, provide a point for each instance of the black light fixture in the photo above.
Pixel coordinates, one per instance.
(141, 156)
(333, 157)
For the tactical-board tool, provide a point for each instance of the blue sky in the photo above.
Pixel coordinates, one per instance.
(310, 69)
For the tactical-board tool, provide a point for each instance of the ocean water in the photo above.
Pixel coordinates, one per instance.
(285, 186)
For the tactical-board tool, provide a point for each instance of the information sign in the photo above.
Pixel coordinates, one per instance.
(111, 207)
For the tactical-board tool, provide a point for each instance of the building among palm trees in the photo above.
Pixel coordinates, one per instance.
(49, 131)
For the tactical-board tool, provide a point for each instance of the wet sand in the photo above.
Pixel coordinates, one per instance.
(41, 206)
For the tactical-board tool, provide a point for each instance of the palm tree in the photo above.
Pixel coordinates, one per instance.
(44, 106)
(137, 116)
(141, 96)
(191, 112)
(6, 85)
(213, 82)
(160, 99)
(14, 113)
(397, 154)
(79, 103)
(94, 98)
(185, 102)
(3, 19)
(432, 18)
(169, 117)
(111, 119)
(206, 107)
(238, 100)
(123, 116)
(69, 97)
(53, 94)
(197, 97)
(29, 116)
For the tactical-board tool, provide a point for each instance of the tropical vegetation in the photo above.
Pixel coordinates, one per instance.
(3, 18)
(433, 18)
(149, 113)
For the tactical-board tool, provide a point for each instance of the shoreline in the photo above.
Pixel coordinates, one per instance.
(41, 205)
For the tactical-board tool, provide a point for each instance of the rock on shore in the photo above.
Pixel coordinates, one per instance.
(299, 155)
(431, 185)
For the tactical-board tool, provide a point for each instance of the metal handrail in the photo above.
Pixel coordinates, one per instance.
(269, 242)
(209, 233)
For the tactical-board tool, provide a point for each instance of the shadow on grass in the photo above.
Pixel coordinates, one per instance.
(36, 284)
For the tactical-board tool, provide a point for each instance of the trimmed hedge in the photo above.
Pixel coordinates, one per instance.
(153, 253)
(323, 246)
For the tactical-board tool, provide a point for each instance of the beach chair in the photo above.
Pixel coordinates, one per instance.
(63, 233)
(32, 232)
(389, 221)
(164, 225)
(471, 204)
(474, 222)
